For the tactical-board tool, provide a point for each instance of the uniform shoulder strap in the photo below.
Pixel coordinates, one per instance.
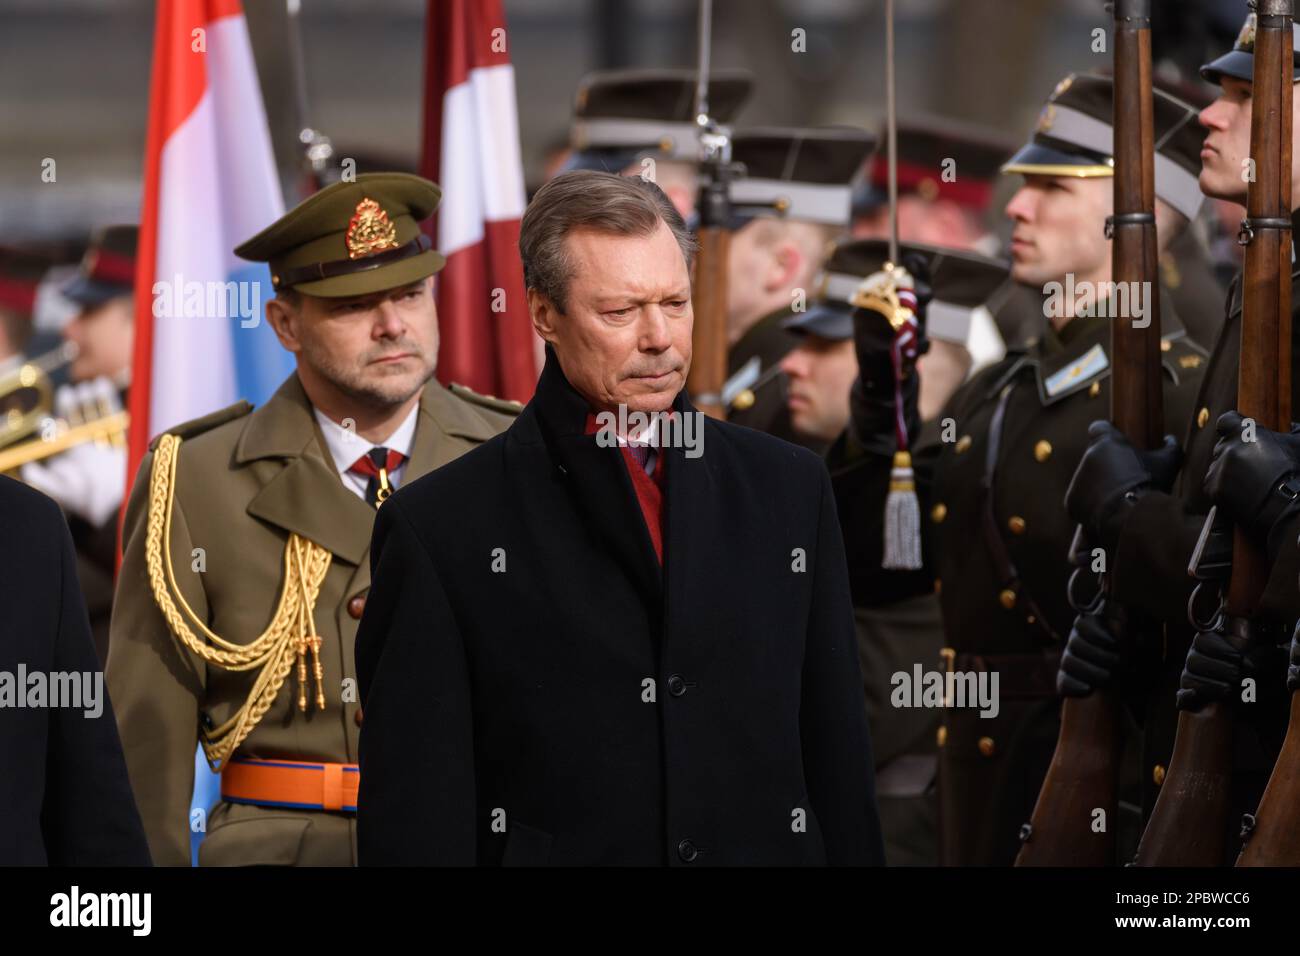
(503, 405)
(198, 426)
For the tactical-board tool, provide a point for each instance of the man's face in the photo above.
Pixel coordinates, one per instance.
(820, 374)
(939, 222)
(753, 268)
(377, 350)
(1224, 174)
(103, 336)
(625, 338)
(1059, 228)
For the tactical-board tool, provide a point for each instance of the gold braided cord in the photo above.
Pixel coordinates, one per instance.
(273, 652)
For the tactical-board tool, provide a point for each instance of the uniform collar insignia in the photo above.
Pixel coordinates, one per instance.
(1086, 367)
(370, 230)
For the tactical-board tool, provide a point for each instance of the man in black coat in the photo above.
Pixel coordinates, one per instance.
(597, 640)
(64, 795)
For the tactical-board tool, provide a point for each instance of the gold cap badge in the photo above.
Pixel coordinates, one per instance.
(370, 230)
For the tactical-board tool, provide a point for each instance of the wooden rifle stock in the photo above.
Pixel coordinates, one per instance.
(1084, 774)
(709, 338)
(1189, 824)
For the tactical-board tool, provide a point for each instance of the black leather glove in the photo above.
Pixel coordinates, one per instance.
(1092, 656)
(1215, 669)
(1112, 475)
(871, 400)
(1255, 482)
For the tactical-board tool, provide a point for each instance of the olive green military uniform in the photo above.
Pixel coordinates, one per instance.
(246, 569)
(246, 480)
(1020, 428)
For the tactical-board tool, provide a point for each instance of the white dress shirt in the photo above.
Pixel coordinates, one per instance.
(346, 446)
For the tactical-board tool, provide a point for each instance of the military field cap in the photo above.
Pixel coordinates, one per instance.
(961, 282)
(1239, 62)
(107, 270)
(20, 279)
(352, 238)
(621, 115)
(927, 148)
(1075, 138)
(797, 174)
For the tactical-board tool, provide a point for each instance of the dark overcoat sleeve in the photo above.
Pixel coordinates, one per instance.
(88, 814)
(832, 722)
(416, 804)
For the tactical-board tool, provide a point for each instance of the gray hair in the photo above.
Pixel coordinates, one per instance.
(605, 202)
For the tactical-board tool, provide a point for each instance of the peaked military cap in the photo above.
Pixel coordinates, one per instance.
(1239, 62)
(352, 238)
(621, 115)
(1075, 138)
(925, 145)
(961, 282)
(799, 174)
(107, 270)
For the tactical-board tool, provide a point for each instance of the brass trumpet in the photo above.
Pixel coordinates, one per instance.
(26, 394)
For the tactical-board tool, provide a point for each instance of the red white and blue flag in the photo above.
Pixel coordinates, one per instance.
(210, 182)
(471, 149)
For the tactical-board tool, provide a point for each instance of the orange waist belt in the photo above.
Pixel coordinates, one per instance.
(291, 784)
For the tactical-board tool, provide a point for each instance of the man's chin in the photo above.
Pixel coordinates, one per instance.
(1226, 188)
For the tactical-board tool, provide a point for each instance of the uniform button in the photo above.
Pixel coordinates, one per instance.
(676, 685)
(744, 401)
(1202, 417)
(1007, 598)
(941, 736)
(687, 851)
(938, 586)
(963, 443)
(1165, 345)
(1016, 524)
(1158, 774)
(1042, 450)
(356, 606)
(986, 746)
(357, 717)
(1094, 389)
(938, 513)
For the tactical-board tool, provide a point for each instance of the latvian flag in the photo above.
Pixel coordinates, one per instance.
(471, 149)
(210, 182)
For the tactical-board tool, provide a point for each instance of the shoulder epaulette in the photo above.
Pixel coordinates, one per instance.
(198, 426)
(503, 405)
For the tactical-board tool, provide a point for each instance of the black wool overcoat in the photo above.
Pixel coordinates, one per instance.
(536, 689)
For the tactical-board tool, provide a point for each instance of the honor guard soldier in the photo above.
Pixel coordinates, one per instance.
(642, 122)
(1153, 531)
(896, 612)
(993, 469)
(247, 534)
(793, 201)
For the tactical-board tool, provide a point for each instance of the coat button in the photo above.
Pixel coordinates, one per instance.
(963, 443)
(1007, 598)
(1042, 451)
(676, 685)
(357, 717)
(938, 513)
(1094, 389)
(356, 606)
(1158, 774)
(941, 736)
(986, 746)
(1202, 417)
(1016, 524)
(687, 851)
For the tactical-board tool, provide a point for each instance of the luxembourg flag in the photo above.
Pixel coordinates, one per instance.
(201, 341)
(210, 182)
(471, 150)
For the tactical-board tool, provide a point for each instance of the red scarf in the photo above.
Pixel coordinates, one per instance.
(649, 489)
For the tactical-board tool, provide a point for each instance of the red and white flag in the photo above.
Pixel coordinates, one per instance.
(471, 149)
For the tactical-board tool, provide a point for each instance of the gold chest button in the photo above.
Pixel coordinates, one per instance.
(1094, 389)
(986, 746)
(1016, 524)
(941, 736)
(1042, 450)
(938, 513)
(1007, 598)
(1158, 774)
(963, 443)
(1202, 417)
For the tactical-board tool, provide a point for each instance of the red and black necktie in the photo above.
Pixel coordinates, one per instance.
(378, 466)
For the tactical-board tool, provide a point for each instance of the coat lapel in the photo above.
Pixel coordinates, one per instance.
(305, 496)
(598, 480)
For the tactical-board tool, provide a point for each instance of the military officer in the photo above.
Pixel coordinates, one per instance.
(896, 612)
(993, 469)
(642, 122)
(1151, 532)
(793, 201)
(246, 541)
